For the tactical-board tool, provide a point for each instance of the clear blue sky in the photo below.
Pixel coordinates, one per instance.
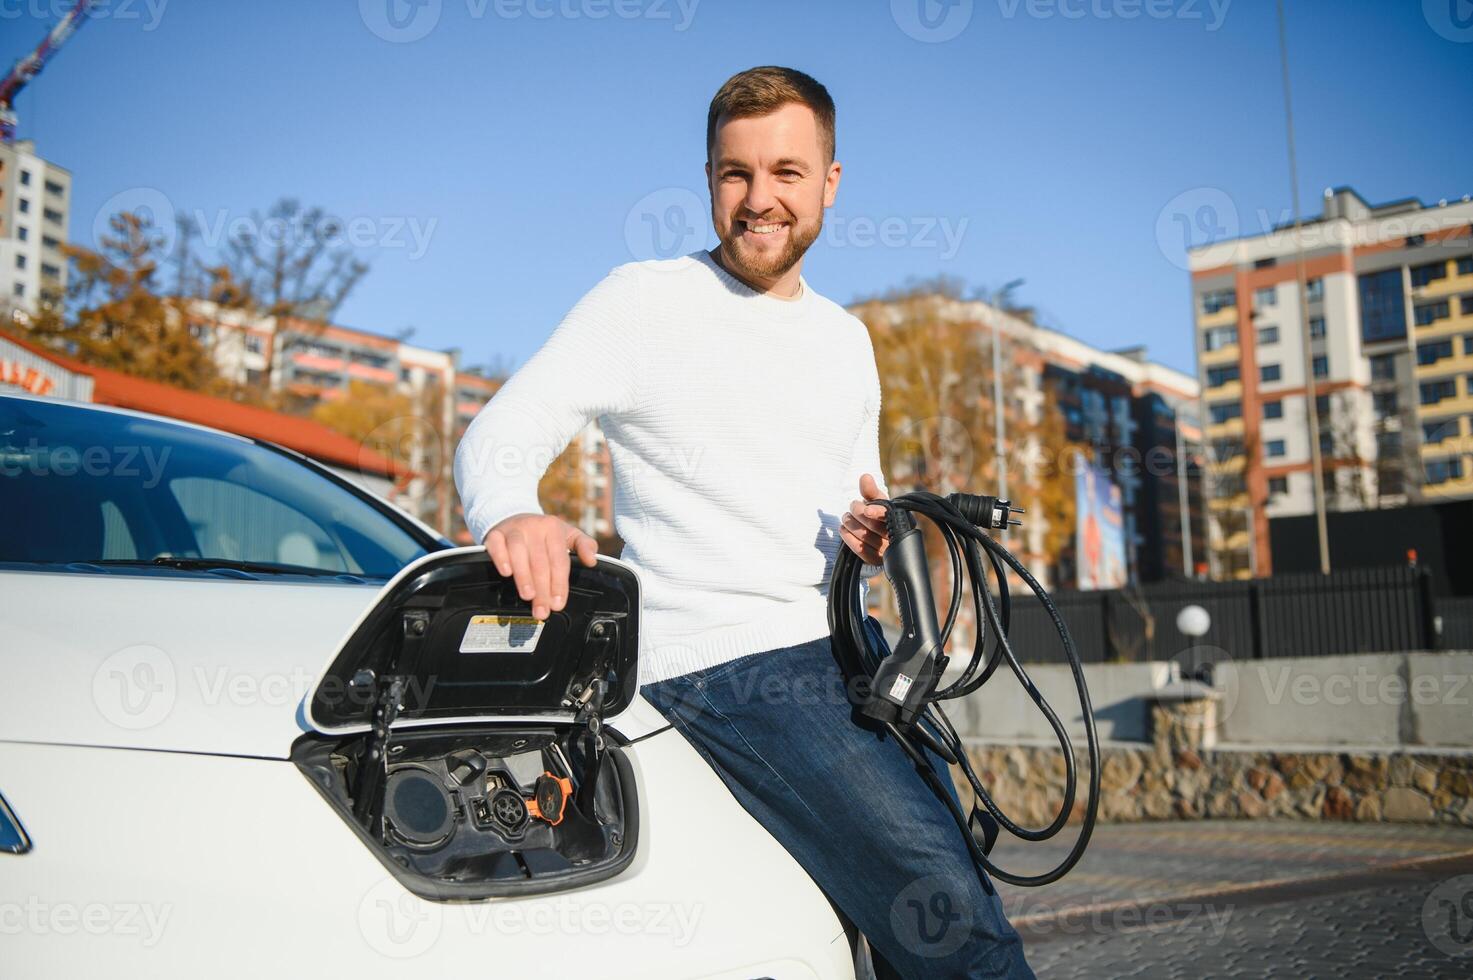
(1034, 143)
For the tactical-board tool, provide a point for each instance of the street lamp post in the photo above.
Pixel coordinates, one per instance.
(999, 405)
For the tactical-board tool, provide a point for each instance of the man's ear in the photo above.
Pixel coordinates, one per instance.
(831, 184)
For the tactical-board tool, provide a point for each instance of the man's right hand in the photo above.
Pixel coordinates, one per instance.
(534, 550)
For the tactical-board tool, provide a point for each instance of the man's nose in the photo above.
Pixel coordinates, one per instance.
(760, 197)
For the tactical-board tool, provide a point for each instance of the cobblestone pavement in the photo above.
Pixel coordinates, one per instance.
(1250, 899)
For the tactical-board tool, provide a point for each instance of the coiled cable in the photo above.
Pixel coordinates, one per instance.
(963, 521)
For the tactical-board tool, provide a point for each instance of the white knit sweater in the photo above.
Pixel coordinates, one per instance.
(738, 425)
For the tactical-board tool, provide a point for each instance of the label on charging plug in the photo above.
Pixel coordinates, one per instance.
(501, 634)
(899, 687)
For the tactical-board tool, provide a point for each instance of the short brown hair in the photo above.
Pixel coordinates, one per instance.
(759, 91)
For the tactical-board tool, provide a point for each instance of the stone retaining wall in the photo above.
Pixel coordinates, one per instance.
(1174, 776)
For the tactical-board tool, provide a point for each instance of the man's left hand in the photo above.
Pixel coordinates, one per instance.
(863, 528)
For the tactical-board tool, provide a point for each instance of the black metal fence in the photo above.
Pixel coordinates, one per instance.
(1357, 611)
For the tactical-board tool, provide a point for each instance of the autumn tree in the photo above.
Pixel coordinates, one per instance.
(1050, 479)
(378, 417)
(939, 414)
(936, 412)
(288, 261)
(120, 319)
(563, 489)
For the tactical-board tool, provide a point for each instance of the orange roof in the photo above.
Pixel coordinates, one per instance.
(303, 435)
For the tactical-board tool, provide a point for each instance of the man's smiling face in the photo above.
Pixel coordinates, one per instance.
(770, 181)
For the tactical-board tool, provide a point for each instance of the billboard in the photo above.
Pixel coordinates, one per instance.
(1099, 534)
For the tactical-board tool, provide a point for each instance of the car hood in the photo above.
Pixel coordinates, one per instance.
(187, 664)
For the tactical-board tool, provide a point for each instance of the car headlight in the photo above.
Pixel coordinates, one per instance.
(13, 839)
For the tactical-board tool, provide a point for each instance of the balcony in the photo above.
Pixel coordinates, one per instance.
(1225, 317)
(317, 362)
(1226, 354)
(377, 375)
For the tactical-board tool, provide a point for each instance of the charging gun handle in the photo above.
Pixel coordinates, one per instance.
(908, 675)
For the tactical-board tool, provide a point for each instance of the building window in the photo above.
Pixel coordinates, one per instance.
(1225, 411)
(1267, 263)
(1429, 313)
(52, 215)
(1316, 326)
(1383, 367)
(1468, 305)
(20, 261)
(1315, 290)
(1265, 296)
(1322, 405)
(1434, 350)
(1219, 299)
(1432, 392)
(1327, 443)
(1382, 309)
(1217, 338)
(1278, 486)
(50, 271)
(1384, 404)
(48, 242)
(1423, 275)
(1465, 266)
(25, 178)
(1468, 345)
(22, 232)
(23, 204)
(1269, 372)
(19, 289)
(1443, 470)
(253, 344)
(1274, 448)
(1219, 376)
(1321, 366)
(1268, 335)
(1273, 410)
(52, 187)
(1436, 431)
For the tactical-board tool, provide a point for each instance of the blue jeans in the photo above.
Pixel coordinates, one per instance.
(850, 807)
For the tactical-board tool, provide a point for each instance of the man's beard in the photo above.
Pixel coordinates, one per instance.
(754, 265)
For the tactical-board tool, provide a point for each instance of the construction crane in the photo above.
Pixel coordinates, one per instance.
(30, 66)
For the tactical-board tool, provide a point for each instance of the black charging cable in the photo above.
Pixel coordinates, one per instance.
(902, 692)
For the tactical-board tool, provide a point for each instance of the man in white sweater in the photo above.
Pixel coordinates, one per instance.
(741, 410)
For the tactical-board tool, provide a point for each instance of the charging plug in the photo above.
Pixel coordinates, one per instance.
(906, 678)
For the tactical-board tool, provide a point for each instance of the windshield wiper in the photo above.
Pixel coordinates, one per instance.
(206, 564)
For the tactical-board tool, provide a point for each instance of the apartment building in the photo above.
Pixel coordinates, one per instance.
(1136, 417)
(1139, 419)
(35, 202)
(1386, 304)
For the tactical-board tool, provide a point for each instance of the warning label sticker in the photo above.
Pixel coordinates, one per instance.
(899, 687)
(501, 634)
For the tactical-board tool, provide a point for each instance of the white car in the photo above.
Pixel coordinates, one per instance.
(257, 722)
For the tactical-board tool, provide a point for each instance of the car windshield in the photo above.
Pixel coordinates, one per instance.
(81, 485)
